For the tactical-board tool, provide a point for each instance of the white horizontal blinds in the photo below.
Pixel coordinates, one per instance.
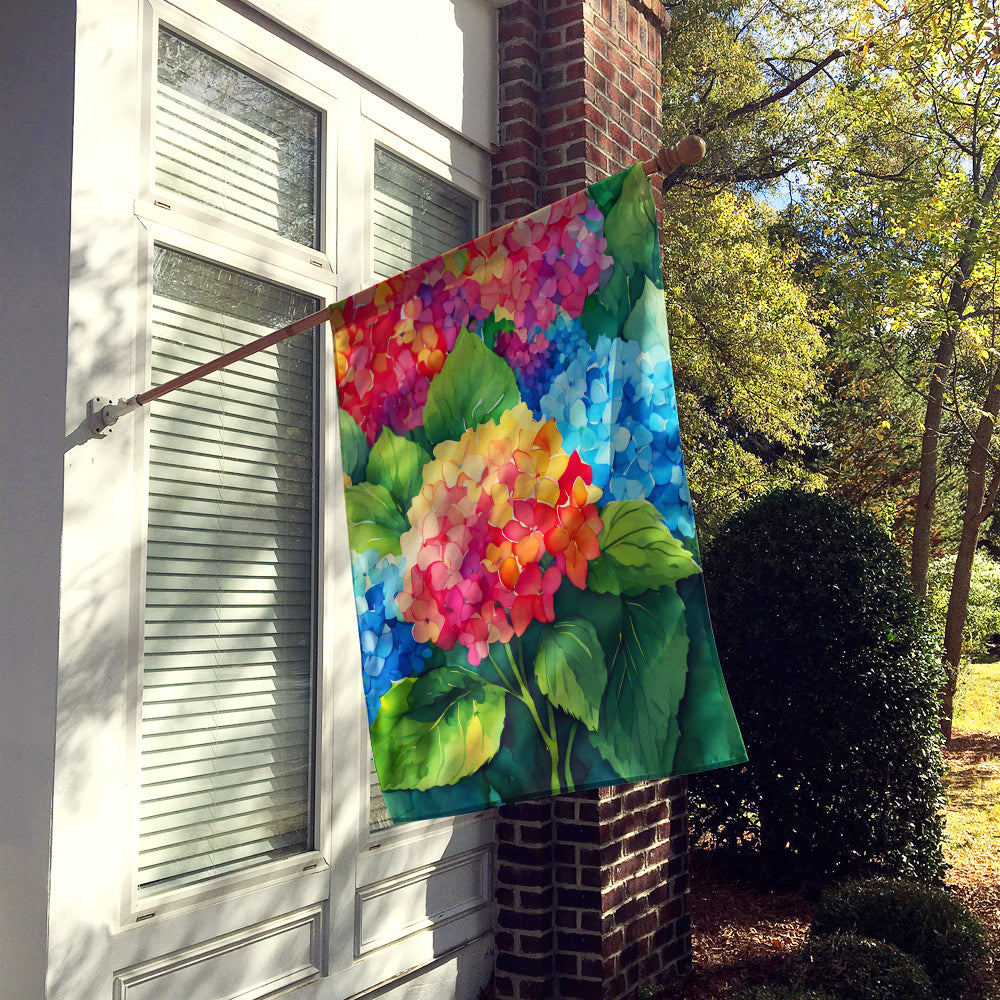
(228, 654)
(416, 217)
(228, 140)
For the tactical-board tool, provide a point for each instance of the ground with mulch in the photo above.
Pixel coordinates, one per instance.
(743, 934)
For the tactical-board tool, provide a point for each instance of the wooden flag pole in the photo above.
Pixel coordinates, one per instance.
(103, 413)
(260, 344)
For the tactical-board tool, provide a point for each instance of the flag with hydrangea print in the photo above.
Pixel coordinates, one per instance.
(530, 603)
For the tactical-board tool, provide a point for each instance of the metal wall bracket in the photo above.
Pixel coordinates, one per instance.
(103, 413)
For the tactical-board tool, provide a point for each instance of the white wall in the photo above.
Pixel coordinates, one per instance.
(428, 52)
(36, 108)
(71, 294)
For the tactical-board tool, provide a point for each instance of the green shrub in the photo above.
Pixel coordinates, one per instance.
(834, 673)
(923, 921)
(856, 968)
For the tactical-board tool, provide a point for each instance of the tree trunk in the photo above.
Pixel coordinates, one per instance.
(920, 552)
(958, 299)
(979, 499)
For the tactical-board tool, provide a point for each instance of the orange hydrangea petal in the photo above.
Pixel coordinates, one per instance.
(529, 549)
(509, 572)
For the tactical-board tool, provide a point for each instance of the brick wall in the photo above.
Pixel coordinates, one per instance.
(591, 893)
(591, 890)
(579, 96)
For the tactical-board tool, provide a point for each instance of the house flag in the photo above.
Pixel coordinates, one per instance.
(530, 603)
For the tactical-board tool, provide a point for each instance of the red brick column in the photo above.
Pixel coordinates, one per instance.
(591, 891)
(524, 898)
(579, 96)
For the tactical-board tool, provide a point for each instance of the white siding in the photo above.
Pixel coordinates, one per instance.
(80, 502)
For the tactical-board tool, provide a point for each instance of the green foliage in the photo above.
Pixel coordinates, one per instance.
(638, 553)
(628, 224)
(641, 701)
(473, 387)
(570, 669)
(396, 464)
(857, 968)
(443, 726)
(908, 182)
(739, 68)
(748, 357)
(353, 447)
(747, 353)
(926, 922)
(866, 437)
(833, 673)
(983, 612)
(377, 522)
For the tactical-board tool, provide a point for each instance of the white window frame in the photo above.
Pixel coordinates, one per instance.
(180, 224)
(349, 870)
(388, 857)
(196, 244)
(377, 134)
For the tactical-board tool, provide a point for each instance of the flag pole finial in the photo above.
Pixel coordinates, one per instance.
(688, 151)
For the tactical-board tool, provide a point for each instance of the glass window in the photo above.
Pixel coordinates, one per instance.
(228, 140)
(228, 686)
(416, 216)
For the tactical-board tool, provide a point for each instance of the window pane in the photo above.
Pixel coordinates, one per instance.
(417, 216)
(228, 662)
(226, 139)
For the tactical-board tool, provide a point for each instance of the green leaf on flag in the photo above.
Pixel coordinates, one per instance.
(638, 552)
(436, 729)
(607, 191)
(374, 520)
(474, 386)
(353, 447)
(646, 679)
(491, 326)
(647, 322)
(571, 670)
(613, 297)
(630, 226)
(598, 320)
(396, 464)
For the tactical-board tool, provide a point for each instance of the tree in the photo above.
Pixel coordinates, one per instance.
(866, 439)
(881, 119)
(747, 356)
(747, 353)
(912, 177)
(746, 76)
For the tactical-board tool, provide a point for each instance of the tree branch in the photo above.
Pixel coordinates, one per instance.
(753, 107)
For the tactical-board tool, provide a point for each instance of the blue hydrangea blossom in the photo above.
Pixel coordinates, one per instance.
(614, 404)
(388, 650)
(535, 363)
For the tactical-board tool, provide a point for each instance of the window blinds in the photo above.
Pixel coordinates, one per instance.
(415, 216)
(225, 139)
(227, 696)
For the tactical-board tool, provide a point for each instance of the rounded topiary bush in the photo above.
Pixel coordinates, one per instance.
(857, 968)
(926, 922)
(834, 672)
